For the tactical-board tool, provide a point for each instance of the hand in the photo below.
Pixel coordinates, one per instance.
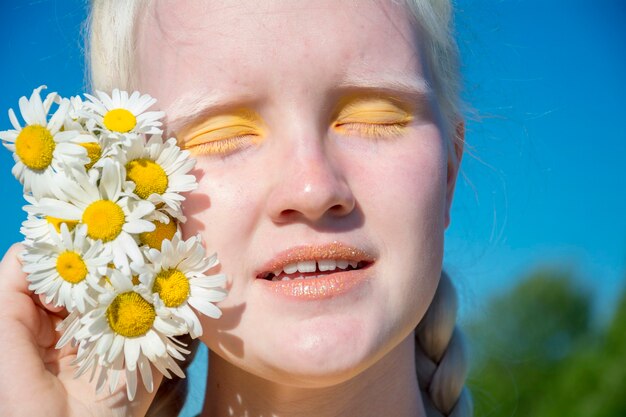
(37, 379)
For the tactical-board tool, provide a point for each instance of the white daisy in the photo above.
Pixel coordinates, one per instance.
(77, 122)
(125, 334)
(105, 198)
(163, 230)
(160, 172)
(40, 147)
(120, 114)
(67, 269)
(36, 227)
(110, 213)
(76, 108)
(176, 276)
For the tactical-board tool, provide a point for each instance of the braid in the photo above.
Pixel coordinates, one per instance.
(440, 356)
(171, 394)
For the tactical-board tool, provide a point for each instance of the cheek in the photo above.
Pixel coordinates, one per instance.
(224, 210)
(402, 188)
(223, 205)
(405, 192)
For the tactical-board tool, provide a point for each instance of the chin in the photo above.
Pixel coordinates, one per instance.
(320, 351)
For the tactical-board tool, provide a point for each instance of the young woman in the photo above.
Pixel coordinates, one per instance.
(328, 139)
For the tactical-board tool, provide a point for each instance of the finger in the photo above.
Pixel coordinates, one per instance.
(52, 354)
(12, 278)
(21, 304)
(57, 310)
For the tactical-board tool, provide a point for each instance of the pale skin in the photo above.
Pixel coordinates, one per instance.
(307, 168)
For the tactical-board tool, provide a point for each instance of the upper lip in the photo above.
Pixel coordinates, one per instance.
(333, 250)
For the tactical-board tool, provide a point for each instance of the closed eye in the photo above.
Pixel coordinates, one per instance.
(372, 117)
(372, 130)
(223, 146)
(224, 134)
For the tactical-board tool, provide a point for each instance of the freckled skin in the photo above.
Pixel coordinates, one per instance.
(306, 183)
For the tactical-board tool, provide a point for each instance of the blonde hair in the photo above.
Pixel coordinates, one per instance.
(441, 360)
(441, 356)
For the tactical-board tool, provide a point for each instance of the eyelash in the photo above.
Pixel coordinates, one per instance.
(374, 130)
(221, 147)
(226, 146)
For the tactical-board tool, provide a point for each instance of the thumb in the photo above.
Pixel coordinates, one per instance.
(117, 401)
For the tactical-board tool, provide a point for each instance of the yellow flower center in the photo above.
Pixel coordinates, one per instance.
(119, 120)
(104, 220)
(56, 222)
(130, 315)
(148, 177)
(71, 267)
(94, 151)
(172, 286)
(34, 146)
(161, 232)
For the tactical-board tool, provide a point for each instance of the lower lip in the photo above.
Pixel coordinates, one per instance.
(328, 286)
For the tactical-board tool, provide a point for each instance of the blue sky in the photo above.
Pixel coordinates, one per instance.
(547, 186)
(542, 182)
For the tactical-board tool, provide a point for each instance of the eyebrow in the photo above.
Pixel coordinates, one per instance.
(411, 86)
(198, 104)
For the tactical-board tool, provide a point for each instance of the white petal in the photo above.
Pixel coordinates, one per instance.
(102, 377)
(111, 180)
(130, 247)
(59, 116)
(165, 327)
(131, 383)
(206, 308)
(116, 347)
(146, 373)
(60, 209)
(131, 353)
(139, 226)
(13, 119)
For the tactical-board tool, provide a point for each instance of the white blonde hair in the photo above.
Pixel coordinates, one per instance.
(441, 360)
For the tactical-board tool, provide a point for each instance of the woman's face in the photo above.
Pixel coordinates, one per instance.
(317, 146)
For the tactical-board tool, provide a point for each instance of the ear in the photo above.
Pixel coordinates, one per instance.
(454, 162)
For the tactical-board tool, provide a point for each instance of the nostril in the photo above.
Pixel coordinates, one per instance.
(288, 212)
(341, 209)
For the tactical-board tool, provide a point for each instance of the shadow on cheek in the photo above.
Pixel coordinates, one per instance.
(219, 331)
(195, 204)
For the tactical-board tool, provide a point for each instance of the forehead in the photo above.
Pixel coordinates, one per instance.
(248, 46)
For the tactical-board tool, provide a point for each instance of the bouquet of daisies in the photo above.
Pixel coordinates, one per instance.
(102, 236)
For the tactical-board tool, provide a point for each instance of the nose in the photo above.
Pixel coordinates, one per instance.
(310, 187)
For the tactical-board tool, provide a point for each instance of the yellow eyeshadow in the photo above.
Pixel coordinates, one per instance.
(373, 110)
(220, 147)
(372, 117)
(224, 133)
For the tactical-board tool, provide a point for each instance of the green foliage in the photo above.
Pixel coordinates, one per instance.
(536, 354)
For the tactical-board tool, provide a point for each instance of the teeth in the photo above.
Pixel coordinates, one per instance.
(326, 264)
(322, 265)
(342, 264)
(306, 266)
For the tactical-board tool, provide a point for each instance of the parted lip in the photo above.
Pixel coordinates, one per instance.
(333, 250)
